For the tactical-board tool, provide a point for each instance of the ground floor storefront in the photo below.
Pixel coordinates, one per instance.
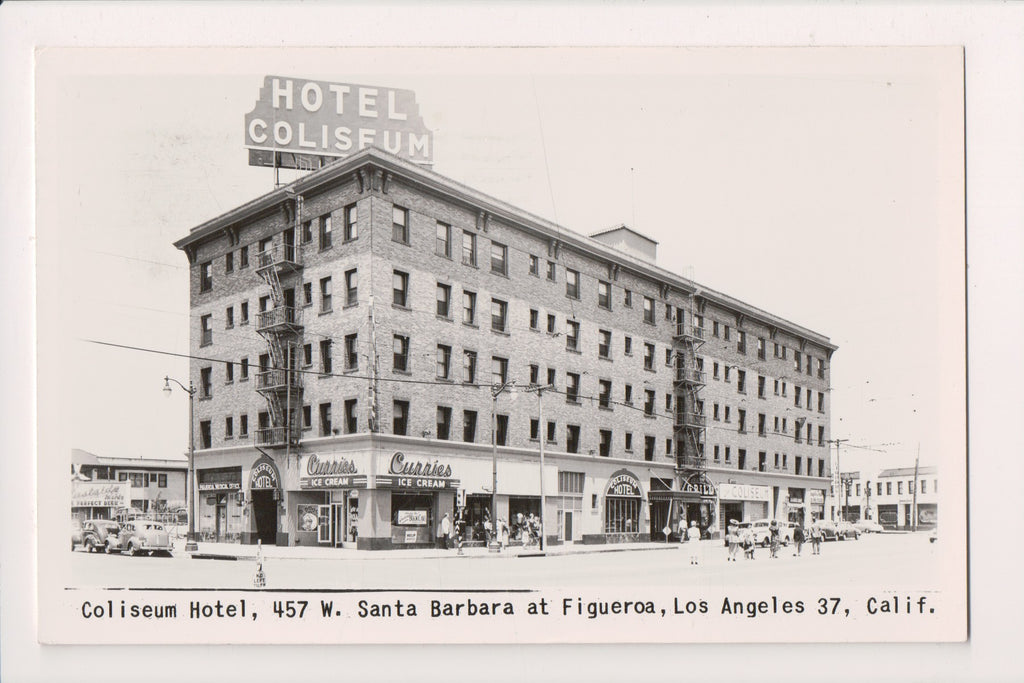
(901, 515)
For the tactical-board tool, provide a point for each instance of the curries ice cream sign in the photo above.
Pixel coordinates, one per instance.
(300, 123)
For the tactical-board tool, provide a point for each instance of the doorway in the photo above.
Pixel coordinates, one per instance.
(264, 509)
(567, 526)
(222, 518)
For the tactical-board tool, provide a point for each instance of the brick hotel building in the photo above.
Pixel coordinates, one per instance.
(350, 332)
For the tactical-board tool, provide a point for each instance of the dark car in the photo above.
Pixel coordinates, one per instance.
(144, 536)
(101, 534)
(847, 530)
(827, 528)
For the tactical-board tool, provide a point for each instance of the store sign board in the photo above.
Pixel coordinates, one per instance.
(744, 492)
(323, 472)
(264, 475)
(624, 483)
(110, 494)
(412, 517)
(299, 121)
(220, 479)
(816, 497)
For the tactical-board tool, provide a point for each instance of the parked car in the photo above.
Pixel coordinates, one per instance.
(828, 529)
(144, 536)
(76, 533)
(846, 530)
(868, 526)
(763, 534)
(101, 534)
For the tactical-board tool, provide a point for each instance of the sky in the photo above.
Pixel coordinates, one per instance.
(822, 185)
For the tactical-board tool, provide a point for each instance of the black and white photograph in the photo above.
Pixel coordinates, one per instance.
(502, 345)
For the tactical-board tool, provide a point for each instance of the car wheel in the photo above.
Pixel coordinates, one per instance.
(131, 549)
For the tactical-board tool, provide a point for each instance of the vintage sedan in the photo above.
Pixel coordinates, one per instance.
(827, 528)
(762, 531)
(101, 534)
(144, 536)
(846, 530)
(868, 526)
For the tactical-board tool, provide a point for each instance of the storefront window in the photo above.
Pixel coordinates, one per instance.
(622, 515)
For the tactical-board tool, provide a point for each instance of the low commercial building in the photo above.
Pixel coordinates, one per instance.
(104, 487)
(904, 501)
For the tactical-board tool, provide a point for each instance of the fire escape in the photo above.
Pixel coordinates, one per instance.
(690, 420)
(278, 264)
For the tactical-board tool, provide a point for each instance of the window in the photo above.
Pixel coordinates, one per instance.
(307, 293)
(243, 257)
(714, 328)
(552, 435)
(570, 482)
(469, 308)
(468, 248)
(648, 356)
(205, 276)
(761, 347)
(572, 284)
(551, 377)
(821, 369)
(714, 412)
(888, 488)
(628, 446)
(400, 224)
(469, 426)
(325, 232)
(796, 396)
(444, 422)
(649, 444)
(649, 402)
(400, 418)
(351, 351)
(351, 418)
(229, 262)
(552, 270)
(499, 312)
(325, 419)
(325, 356)
(728, 454)
(741, 382)
(400, 287)
(572, 387)
(741, 341)
(534, 318)
(444, 361)
(714, 369)
(821, 402)
(604, 396)
(741, 459)
(741, 416)
(534, 265)
(899, 488)
(807, 365)
(716, 452)
(725, 332)
(244, 375)
(783, 353)
(648, 310)
(264, 303)
(306, 235)
(444, 300)
(469, 367)
(501, 434)
(776, 461)
(243, 427)
(760, 386)
(821, 435)
(783, 388)
(821, 468)
(796, 361)
(307, 417)
(572, 335)
(604, 295)
(207, 331)
(499, 370)
(326, 296)
(798, 465)
(605, 445)
(762, 424)
(229, 373)
(534, 429)
(244, 313)
(627, 298)
(668, 312)
(727, 414)
(572, 438)
(924, 486)
(551, 323)
(499, 256)
(206, 383)
(534, 374)
(351, 220)
(351, 287)
(627, 346)
(400, 348)
(762, 461)
(161, 479)
(668, 403)
(604, 344)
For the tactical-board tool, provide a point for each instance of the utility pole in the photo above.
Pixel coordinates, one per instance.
(913, 505)
(839, 476)
(540, 437)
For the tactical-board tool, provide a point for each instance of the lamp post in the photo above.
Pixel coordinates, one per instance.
(496, 391)
(540, 437)
(190, 541)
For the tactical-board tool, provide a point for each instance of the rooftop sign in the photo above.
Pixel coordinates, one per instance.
(297, 123)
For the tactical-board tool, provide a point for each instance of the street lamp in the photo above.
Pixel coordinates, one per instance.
(190, 541)
(496, 391)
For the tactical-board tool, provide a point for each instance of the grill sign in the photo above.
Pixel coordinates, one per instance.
(300, 121)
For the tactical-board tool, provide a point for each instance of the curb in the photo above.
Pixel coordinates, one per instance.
(219, 556)
(594, 552)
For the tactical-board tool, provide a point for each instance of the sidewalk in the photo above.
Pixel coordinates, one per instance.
(235, 551)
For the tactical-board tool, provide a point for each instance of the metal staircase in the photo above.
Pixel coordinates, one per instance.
(279, 265)
(690, 420)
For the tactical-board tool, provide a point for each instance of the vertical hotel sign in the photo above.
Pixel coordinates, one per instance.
(304, 124)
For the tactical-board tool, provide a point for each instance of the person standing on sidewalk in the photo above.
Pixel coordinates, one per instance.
(798, 539)
(444, 532)
(773, 531)
(815, 539)
(693, 536)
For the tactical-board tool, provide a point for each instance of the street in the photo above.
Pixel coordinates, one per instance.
(875, 561)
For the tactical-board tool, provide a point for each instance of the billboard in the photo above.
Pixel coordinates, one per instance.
(304, 124)
(100, 494)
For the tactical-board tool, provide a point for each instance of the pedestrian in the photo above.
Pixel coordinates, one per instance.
(487, 531)
(693, 536)
(733, 540)
(682, 529)
(773, 531)
(445, 532)
(798, 539)
(747, 539)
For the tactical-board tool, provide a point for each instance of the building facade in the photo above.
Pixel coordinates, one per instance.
(901, 501)
(103, 487)
(374, 345)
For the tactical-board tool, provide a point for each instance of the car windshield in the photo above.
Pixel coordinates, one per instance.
(154, 527)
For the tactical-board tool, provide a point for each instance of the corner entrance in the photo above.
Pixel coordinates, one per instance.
(264, 509)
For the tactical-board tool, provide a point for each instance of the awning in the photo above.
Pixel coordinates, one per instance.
(687, 496)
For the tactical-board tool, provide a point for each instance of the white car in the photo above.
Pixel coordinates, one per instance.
(763, 534)
(868, 526)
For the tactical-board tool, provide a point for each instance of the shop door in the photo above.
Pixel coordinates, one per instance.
(338, 524)
(222, 522)
(323, 527)
(567, 525)
(265, 511)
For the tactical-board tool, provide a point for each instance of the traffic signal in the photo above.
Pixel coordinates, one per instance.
(460, 498)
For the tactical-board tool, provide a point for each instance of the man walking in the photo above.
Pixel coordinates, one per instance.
(444, 533)
(798, 539)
